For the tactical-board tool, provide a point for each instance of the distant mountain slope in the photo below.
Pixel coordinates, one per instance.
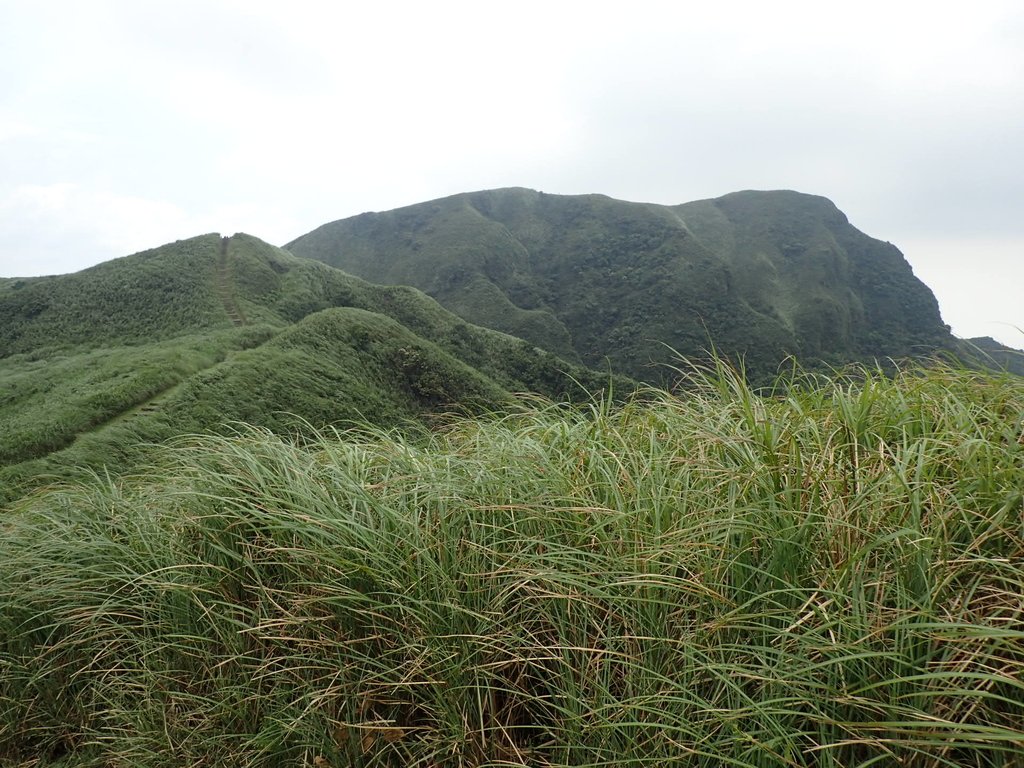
(989, 353)
(760, 275)
(95, 365)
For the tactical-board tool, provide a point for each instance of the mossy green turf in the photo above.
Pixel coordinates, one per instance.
(828, 575)
(761, 275)
(97, 365)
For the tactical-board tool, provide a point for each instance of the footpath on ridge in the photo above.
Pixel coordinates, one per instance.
(225, 284)
(225, 291)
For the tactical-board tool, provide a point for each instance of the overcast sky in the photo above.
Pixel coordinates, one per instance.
(125, 125)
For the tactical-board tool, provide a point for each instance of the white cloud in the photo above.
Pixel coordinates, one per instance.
(12, 128)
(61, 227)
(57, 228)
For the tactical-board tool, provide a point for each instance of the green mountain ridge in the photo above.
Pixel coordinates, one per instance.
(760, 275)
(198, 334)
(474, 297)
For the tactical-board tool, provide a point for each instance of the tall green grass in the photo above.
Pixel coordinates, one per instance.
(830, 574)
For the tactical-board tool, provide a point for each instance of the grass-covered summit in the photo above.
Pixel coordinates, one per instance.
(761, 275)
(830, 575)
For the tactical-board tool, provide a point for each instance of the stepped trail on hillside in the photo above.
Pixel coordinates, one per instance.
(225, 284)
(149, 407)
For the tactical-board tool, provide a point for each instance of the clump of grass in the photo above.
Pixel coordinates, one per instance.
(830, 574)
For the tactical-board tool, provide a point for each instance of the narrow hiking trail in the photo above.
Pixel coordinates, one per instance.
(225, 284)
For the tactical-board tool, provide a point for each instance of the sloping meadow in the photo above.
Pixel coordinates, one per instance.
(827, 574)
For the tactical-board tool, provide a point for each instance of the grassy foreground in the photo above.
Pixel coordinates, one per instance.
(832, 575)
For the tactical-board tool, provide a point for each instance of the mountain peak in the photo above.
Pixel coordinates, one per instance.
(759, 274)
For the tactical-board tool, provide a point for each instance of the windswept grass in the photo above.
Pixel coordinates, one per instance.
(831, 575)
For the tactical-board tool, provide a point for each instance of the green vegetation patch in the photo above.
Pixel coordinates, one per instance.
(831, 574)
(150, 296)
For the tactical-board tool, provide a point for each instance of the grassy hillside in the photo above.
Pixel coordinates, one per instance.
(47, 400)
(762, 275)
(828, 576)
(151, 296)
(109, 364)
